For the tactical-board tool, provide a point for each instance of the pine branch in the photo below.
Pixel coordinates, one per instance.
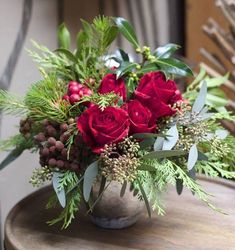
(44, 100)
(11, 104)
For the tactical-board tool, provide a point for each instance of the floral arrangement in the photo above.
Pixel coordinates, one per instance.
(96, 115)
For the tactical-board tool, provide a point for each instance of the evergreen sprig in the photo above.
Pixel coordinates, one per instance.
(44, 100)
(12, 104)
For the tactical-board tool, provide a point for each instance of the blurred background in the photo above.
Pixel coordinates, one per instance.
(204, 28)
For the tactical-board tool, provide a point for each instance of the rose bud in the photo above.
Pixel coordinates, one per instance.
(73, 83)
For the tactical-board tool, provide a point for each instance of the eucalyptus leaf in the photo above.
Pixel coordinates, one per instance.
(145, 198)
(192, 173)
(147, 142)
(127, 30)
(221, 133)
(201, 98)
(164, 154)
(174, 66)
(14, 154)
(60, 192)
(158, 144)
(179, 186)
(166, 51)
(68, 54)
(171, 140)
(146, 135)
(192, 157)
(123, 189)
(63, 36)
(145, 167)
(202, 157)
(89, 178)
(102, 185)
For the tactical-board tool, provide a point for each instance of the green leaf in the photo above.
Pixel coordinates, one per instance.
(158, 144)
(60, 192)
(64, 36)
(123, 189)
(124, 55)
(89, 178)
(127, 30)
(130, 87)
(110, 35)
(124, 68)
(202, 157)
(166, 51)
(217, 81)
(80, 40)
(215, 101)
(199, 77)
(14, 154)
(145, 198)
(171, 140)
(201, 98)
(149, 67)
(164, 154)
(179, 186)
(68, 54)
(192, 157)
(174, 66)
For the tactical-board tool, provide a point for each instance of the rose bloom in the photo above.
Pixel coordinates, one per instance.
(103, 127)
(141, 119)
(110, 84)
(158, 94)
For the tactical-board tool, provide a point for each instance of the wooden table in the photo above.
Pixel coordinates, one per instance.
(188, 224)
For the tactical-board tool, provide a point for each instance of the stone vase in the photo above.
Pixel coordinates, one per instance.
(113, 211)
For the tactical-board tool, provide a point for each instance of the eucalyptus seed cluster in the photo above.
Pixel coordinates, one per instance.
(191, 134)
(40, 175)
(119, 162)
(218, 148)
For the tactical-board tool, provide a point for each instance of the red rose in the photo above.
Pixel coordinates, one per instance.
(158, 94)
(141, 119)
(109, 83)
(103, 127)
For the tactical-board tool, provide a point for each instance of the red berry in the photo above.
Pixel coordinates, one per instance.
(59, 145)
(64, 127)
(80, 86)
(64, 152)
(73, 83)
(74, 90)
(51, 141)
(80, 92)
(87, 91)
(52, 149)
(52, 162)
(74, 98)
(60, 163)
(65, 97)
(45, 152)
(40, 137)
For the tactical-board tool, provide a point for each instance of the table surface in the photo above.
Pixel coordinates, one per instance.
(188, 224)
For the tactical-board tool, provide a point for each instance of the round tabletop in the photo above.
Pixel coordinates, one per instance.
(188, 224)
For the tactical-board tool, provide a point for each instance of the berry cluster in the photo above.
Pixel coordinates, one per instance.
(25, 127)
(53, 149)
(75, 92)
